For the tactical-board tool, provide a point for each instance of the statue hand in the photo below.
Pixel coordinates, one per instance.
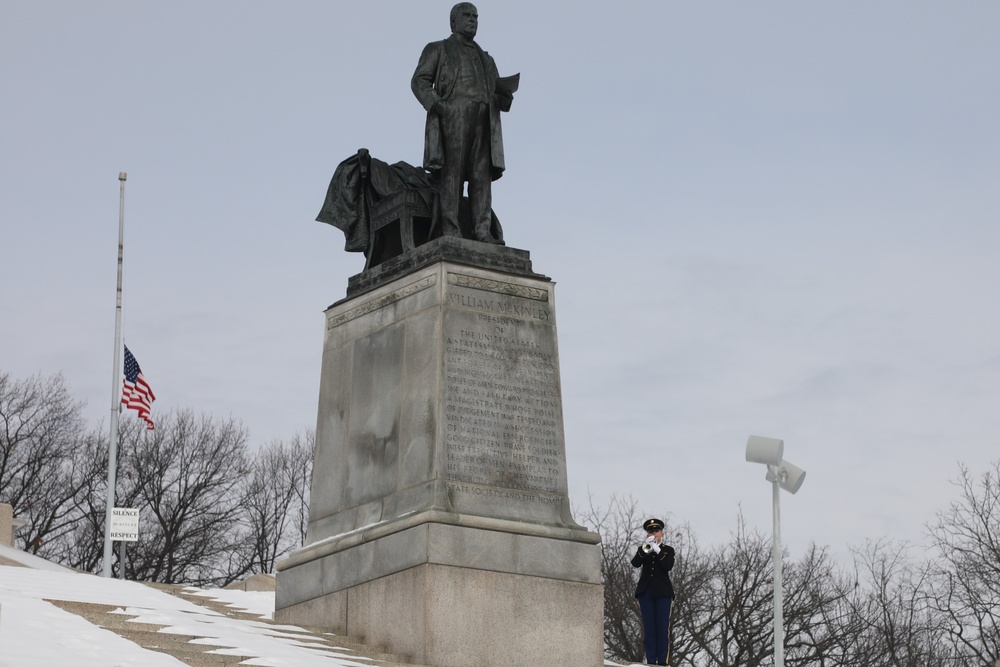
(504, 101)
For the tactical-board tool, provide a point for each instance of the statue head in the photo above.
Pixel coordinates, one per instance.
(465, 19)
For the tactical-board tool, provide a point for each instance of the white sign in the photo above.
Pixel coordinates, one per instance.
(124, 524)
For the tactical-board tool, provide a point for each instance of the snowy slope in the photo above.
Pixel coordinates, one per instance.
(35, 633)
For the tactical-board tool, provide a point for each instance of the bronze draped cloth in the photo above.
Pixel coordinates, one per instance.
(361, 180)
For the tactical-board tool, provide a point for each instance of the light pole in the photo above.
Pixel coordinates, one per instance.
(782, 475)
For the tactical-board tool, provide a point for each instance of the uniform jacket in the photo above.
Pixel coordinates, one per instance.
(655, 575)
(434, 80)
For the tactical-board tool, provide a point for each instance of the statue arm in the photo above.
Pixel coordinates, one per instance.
(422, 83)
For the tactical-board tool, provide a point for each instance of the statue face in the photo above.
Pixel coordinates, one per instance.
(467, 21)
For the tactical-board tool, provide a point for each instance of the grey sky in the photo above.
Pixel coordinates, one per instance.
(773, 217)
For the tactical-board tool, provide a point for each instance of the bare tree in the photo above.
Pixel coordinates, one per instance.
(209, 512)
(84, 471)
(184, 479)
(894, 626)
(617, 524)
(301, 526)
(820, 611)
(726, 605)
(274, 503)
(966, 570)
(43, 458)
(730, 622)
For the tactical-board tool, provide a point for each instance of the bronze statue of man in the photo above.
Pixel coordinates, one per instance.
(458, 84)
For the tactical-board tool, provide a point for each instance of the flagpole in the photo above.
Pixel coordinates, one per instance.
(115, 387)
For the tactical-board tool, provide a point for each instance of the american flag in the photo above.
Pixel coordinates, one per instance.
(136, 394)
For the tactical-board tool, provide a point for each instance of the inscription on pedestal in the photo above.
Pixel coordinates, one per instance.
(503, 415)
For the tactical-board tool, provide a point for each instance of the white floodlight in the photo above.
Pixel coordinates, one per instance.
(782, 475)
(788, 476)
(765, 450)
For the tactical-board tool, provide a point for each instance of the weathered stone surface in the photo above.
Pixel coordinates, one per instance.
(6, 524)
(255, 582)
(334, 565)
(441, 391)
(450, 616)
(440, 471)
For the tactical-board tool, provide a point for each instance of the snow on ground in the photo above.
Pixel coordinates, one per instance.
(30, 560)
(260, 603)
(34, 633)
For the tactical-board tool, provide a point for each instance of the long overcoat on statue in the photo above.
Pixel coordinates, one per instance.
(434, 80)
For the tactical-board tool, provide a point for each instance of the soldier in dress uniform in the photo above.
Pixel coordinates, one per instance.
(655, 592)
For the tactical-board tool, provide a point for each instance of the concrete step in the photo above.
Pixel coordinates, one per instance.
(149, 635)
(355, 647)
(194, 656)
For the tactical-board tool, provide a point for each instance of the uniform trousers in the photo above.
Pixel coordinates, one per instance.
(655, 627)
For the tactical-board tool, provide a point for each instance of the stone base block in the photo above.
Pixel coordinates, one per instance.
(450, 616)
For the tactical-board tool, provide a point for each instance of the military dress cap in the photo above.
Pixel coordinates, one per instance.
(652, 524)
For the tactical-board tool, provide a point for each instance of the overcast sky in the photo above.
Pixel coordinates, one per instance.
(773, 218)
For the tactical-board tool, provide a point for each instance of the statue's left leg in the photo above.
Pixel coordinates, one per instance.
(480, 180)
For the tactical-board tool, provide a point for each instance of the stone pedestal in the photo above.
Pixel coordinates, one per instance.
(440, 525)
